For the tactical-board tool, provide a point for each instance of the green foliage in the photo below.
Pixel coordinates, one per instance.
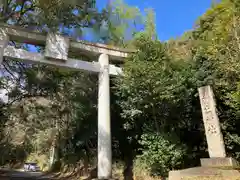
(150, 26)
(122, 23)
(235, 98)
(160, 154)
(44, 111)
(217, 38)
(155, 109)
(157, 96)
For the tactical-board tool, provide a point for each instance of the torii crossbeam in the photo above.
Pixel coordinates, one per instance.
(57, 50)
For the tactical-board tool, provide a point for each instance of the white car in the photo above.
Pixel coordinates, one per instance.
(31, 167)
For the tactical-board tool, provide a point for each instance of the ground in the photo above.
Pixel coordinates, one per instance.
(6, 174)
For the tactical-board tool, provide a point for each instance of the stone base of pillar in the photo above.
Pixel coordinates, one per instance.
(206, 173)
(219, 162)
(211, 169)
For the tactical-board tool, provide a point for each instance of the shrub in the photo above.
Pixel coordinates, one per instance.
(159, 154)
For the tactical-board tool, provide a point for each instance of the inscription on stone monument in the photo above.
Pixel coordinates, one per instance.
(216, 147)
(57, 47)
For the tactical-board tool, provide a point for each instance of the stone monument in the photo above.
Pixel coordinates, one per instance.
(218, 166)
(216, 147)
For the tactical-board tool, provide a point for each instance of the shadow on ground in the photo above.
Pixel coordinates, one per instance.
(9, 174)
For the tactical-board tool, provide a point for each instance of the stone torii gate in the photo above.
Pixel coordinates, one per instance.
(57, 51)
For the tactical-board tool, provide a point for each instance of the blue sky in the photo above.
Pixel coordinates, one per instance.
(173, 17)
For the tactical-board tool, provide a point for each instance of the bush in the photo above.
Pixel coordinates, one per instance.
(159, 155)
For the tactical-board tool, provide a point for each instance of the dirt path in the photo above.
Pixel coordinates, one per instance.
(19, 175)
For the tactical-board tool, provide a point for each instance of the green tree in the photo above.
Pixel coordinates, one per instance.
(122, 23)
(156, 94)
(57, 120)
(217, 48)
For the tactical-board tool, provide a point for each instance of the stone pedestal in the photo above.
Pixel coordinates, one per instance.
(204, 173)
(219, 162)
(211, 169)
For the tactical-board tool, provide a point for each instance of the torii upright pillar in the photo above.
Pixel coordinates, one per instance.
(104, 122)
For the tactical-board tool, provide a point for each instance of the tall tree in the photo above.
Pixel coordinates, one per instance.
(122, 23)
(38, 93)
